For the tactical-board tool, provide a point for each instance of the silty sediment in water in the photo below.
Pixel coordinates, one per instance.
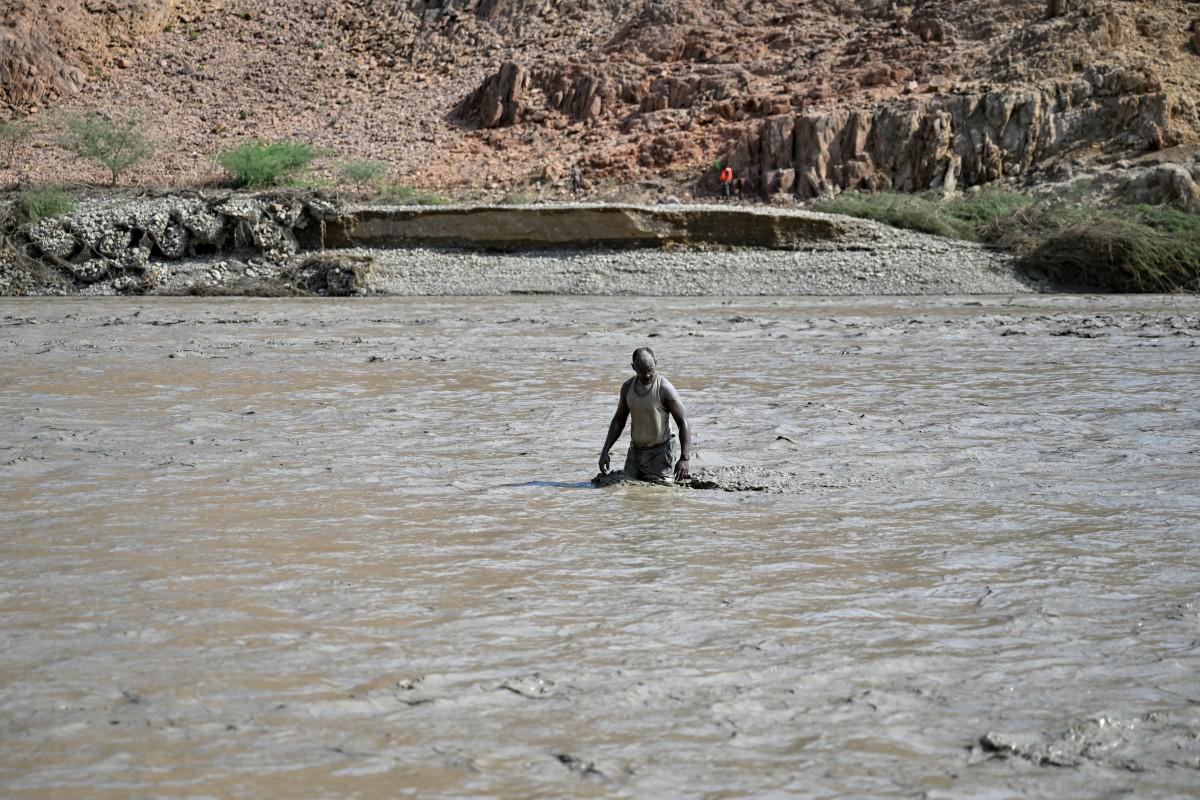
(330, 548)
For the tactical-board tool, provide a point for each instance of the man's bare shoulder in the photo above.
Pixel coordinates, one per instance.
(670, 397)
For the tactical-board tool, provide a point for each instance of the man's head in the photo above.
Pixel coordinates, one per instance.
(644, 363)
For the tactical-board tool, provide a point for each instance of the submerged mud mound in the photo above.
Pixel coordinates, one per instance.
(1160, 739)
(744, 479)
(734, 479)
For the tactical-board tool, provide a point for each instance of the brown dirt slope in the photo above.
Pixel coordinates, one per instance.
(802, 96)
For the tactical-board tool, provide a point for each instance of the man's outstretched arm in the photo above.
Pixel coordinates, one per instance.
(614, 429)
(675, 406)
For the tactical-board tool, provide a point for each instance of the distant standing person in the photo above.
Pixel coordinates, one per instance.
(576, 180)
(727, 181)
(650, 399)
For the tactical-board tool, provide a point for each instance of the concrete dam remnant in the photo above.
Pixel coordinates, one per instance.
(615, 226)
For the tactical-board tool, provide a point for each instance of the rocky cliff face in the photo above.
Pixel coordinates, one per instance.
(802, 97)
(935, 95)
(954, 141)
(47, 47)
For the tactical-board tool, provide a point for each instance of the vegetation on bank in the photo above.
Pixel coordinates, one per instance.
(12, 135)
(26, 208)
(1122, 248)
(963, 217)
(34, 205)
(365, 174)
(116, 143)
(257, 164)
(409, 196)
(1131, 248)
(517, 198)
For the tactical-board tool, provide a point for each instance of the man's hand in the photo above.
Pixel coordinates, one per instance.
(604, 463)
(681, 470)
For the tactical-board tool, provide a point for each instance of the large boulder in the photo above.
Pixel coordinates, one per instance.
(499, 101)
(1161, 184)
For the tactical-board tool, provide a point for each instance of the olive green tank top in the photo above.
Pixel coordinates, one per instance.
(651, 420)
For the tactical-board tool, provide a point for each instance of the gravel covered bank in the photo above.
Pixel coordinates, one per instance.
(276, 245)
(899, 263)
(859, 257)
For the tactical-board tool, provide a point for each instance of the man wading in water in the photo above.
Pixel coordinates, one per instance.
(649, 398)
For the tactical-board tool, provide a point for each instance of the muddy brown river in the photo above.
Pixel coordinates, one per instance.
(287, 548)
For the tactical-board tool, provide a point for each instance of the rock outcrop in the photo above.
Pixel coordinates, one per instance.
(956, 141)
(1168, 183)
(499, 100)
(582, 92)
(45, 47)
(31, 68)
(1070, 92)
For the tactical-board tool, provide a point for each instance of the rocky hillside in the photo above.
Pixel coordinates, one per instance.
(802, 97)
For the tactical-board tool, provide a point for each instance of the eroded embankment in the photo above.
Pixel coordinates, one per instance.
(281, 244)
(613, 226)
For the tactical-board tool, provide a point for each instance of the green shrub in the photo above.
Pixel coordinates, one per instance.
(117, 144)
(1128, 248)
(517, 198)
(256, 164)
(12, 134)
(912, 211)
(363, 173)
(400, 192)
(410, 196)
(963, 217)
(1123, 249)
(989, 205)
(37, 204)
(308, 182)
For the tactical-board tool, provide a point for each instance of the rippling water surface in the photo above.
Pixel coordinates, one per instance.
(325, 549)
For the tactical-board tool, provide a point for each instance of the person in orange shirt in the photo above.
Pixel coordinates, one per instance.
(727, 181)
